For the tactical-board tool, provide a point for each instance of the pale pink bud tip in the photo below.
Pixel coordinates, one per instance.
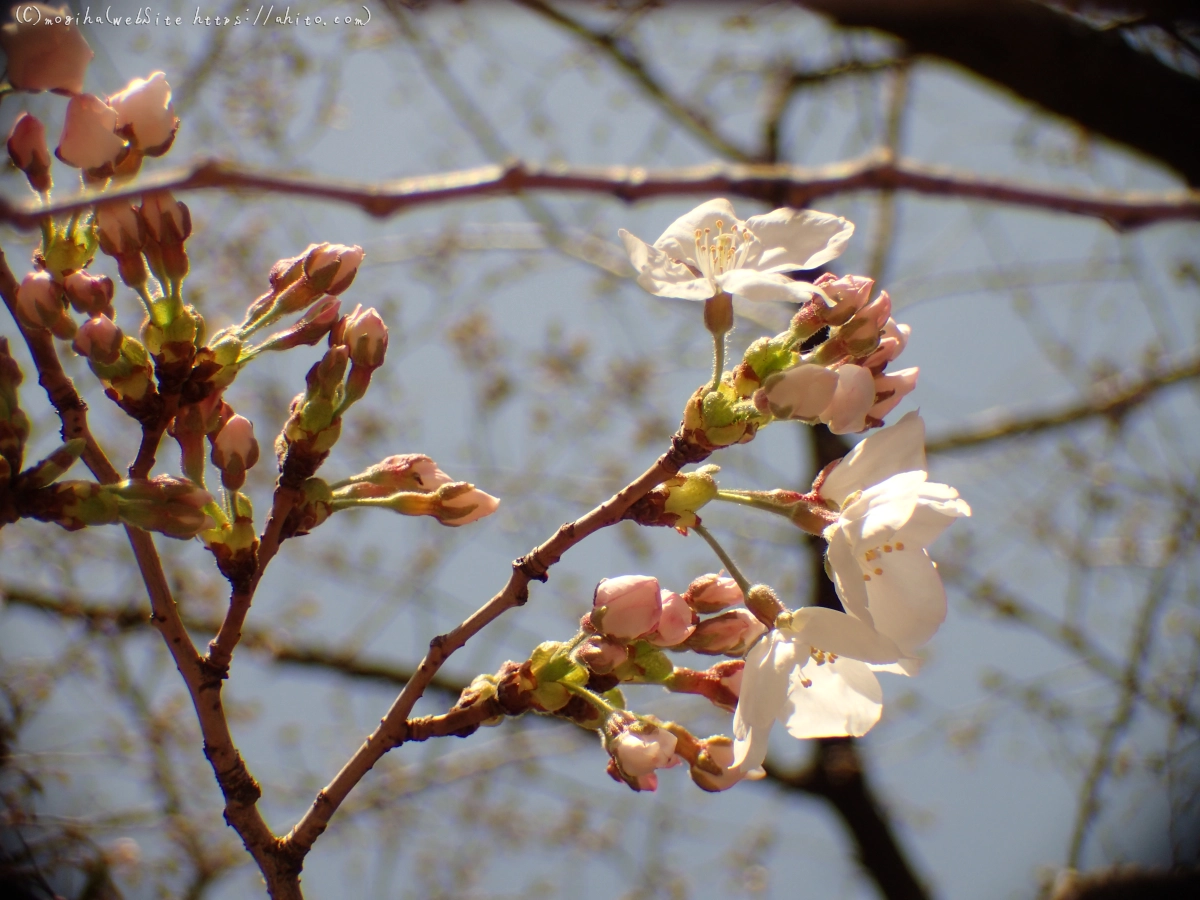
(366, 336)
(640, 753)
(462, 508)
(627, 607)
(44, 52)
(40, 304)
(346, 259)
(167, 220)
(99, 339)
(91, 294)
(28, 151)
(88, 141)
(675, 624)
(713, 593)
(237, 439)
(145, 114)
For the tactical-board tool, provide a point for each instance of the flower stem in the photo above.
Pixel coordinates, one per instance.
(596, 700)
(734, 571)
(718, 360)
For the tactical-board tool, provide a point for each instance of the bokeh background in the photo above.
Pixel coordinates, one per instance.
(1053, 726)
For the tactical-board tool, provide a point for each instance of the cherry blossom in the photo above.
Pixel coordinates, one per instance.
(710, 250)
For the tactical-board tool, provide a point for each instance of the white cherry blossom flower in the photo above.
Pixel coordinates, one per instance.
(811, 674)
(710, 250)
(889, 514)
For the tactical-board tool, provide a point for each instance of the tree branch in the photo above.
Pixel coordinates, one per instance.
(1113, 398)
(1092, 77)
(395, 728)
(782, 184)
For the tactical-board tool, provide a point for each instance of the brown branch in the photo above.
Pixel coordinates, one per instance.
(836, 774)
(237, 785)
(783, 184)
(1113, 399)
(394, 728)
(1093, 77)
(836, 771)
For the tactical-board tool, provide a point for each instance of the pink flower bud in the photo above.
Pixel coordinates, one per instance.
(601, 654)
(28, 150)
(459, 503)
(406, 472)
(235, 441)
(167, 220)
(168, 505)
(675, 624)
(91, 294)
(88, 141)
(801, 392)
(145, 114)
(337, 262)
(637, 748)
(366, 336)
(118, 228)
(890, 389)
(892, 342)
(853, 397)
(730, 633)
(878, 311)
(43, 56)
(718, 752)
(713, 593)
(847, 295)
(40, 305)
(627, 607)
(99, 339)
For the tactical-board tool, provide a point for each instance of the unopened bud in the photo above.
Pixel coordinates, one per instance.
(89, 294)
(712, 593)
(717, 753)
(676, 623)
(406, 472)
(40, 305)
(29, 152)
(145, 115)
(168, 225)
(88, 141)
(44, 56)
(54, 466)
(99, 339)
(460, 503)
(170, 506)
(890, 389)
(332, 267)
(234, 451)
(314, 325)
(365, 334)
(627, 607)
(600, 654)
(637, 748)
(720, 684)
(730, 634)
(846, 296)
(892, 342)
(801, 392)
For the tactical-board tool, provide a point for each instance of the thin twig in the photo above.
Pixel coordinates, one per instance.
(791, 185)
(1114, 399)
(394, 729)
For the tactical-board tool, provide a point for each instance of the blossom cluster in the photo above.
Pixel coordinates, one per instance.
(174, 374)
(813, 669)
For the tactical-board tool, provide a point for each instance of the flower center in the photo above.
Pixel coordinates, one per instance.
(872, 559)
(820, 657)
(717, 254)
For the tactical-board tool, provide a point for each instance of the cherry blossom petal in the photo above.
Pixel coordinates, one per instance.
(764, 691)
(837, 632)
(897, 385)
(897, 448)
(790, 239)
(834, 699)
(801, 392)
(661, 275)
(847, 577)
(855, 394)
(679, 240)
(906, 598)
(764, 287)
